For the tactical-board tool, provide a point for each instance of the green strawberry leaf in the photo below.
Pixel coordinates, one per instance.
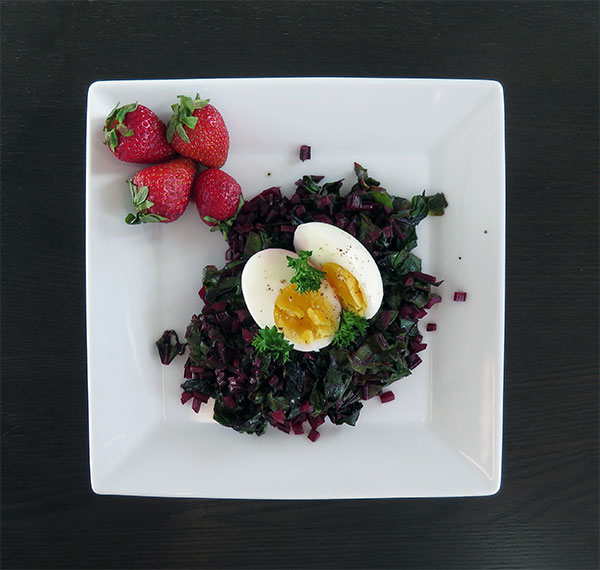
(187, 104)
(224, 225)
(152, 218)
(199, 103)
(190, 121)
(141, 195)
(113, 141)
(181, 132)
(110, 128)
(171, 129)
(113, 112)
(183, 114)
(139, 198)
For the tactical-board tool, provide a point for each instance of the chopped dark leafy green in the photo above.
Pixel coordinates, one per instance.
(253, 389)
(169, 347)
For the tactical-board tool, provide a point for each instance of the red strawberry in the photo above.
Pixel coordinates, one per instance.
(197, 130)
(160, 193)
(218, 198)
(134, 133)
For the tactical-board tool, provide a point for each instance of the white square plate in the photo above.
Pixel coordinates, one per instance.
(442, 435)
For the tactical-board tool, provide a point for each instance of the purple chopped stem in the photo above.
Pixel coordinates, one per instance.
(247, 335)
(186, 397)
(196, 405)
(278, 416)
(433, 300)
(351, 228)
(202, 397)
(386, 397)
(315, 422)
(373, 235)
(229, 401)
(304, 152)
(354, 202)
(414, 361)
(424, 277)
(406, 311)
(242, 315)
(323, 218)
(431, 327)
(460, 296)
(396, 224)
(323, 202)
(313, 435)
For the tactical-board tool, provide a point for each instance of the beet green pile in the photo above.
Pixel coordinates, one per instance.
(252, 390)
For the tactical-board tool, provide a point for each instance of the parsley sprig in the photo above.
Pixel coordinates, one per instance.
(307, 278)
(272, 342)
(351, 326)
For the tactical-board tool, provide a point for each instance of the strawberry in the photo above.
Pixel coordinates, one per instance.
(218, 198)
(197, 130)
(160, 193)
(134, 133)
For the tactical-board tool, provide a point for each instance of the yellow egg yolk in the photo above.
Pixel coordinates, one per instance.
(347, 288)
(304, 317)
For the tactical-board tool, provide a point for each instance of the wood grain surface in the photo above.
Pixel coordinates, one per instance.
(546, 56)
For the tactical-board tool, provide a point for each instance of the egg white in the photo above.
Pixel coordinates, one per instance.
(330, 244)
(264, 276)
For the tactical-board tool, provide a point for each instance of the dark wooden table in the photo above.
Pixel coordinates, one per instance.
(546, 56)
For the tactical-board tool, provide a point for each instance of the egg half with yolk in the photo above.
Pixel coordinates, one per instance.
(350, 268)
(308, 320)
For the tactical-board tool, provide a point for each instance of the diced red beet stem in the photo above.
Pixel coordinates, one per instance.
(386, 397)
(304, 152)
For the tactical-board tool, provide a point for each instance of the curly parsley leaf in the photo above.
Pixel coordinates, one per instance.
(307, 278)
(272, 342)
(351, 327)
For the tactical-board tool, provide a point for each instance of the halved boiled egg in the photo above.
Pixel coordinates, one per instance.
(308, 320)
(350, 268)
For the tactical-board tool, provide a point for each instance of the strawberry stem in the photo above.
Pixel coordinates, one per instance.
(139, 198)
(183, 114)
(224, 225)
(114, 124)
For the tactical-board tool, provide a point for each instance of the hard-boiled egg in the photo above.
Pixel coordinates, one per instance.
(350, 268)
(309, 320)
